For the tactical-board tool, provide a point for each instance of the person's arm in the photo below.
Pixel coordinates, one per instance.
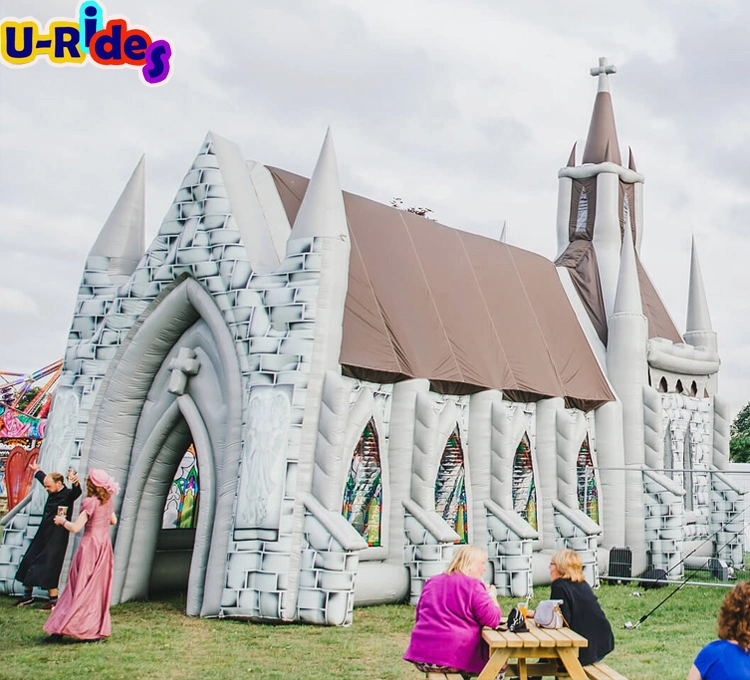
(113, 519)
(694, 673)
(486, 609)
(558, 592)
(38, 474)
(73, 527)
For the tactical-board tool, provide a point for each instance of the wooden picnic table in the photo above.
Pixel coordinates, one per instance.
(545, 644)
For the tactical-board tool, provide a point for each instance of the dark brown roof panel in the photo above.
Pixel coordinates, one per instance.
(466, 312)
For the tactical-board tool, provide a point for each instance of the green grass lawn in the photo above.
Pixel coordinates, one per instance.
(156, 640)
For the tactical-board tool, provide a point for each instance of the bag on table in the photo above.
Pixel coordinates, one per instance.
(549, 615)
(515, 623)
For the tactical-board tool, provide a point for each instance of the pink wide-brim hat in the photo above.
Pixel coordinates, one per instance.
(104, 481)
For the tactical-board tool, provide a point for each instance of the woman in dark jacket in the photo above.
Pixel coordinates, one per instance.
(580, 607)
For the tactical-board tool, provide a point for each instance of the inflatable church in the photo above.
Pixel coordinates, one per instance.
(310, 398)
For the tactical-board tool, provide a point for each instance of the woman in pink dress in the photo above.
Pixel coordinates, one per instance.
(83, 608)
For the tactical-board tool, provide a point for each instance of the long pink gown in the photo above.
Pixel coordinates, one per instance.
(83, 608)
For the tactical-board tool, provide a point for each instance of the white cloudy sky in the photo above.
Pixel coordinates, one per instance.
(467, 107)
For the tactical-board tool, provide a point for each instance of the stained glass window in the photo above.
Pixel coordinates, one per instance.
(181, 508)
(583, 212)
(524, 489)
(363, 493)
(588, 493)
(450, 488)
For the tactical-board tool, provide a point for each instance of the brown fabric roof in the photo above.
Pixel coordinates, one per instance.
(660, 324)
(580, 260)
(466, 312)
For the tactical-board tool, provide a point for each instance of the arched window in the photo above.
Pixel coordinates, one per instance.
(363, 494)
(693, 388)
(678, 387)
(668, 455)
(450, 488)
(688, 465)
(583, 212)
(183, 498)
(524, 490)
(663, 387)
(588, 493)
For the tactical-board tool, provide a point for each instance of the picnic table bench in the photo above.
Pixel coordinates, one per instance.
(537, 653)
(544, 652)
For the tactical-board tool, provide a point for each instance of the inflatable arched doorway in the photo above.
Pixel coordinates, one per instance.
(175, 380)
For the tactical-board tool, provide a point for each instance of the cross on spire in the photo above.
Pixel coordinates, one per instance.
(603, 71)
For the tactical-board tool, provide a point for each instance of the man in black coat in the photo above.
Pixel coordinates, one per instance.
(43, 561)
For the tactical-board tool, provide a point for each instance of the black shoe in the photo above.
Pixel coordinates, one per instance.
(49, 605)
(25, 601)
(55, 637)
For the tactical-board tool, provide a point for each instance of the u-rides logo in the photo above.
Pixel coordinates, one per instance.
(67, 42)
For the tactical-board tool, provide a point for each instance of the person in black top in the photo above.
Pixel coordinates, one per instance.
(579, 606)
(43, 561)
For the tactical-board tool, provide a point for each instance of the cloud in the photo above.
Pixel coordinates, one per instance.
(14, 301)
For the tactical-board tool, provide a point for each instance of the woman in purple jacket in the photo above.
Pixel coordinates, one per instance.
(452, 609)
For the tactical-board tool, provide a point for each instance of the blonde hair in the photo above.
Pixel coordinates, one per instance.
(466, 556)
(569, 565)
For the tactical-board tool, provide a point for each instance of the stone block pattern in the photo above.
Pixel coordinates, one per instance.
(727, 521)
(664, 521)
(327, 577)
(510, 557)
(271, 318)
(16, 538)
(569, 534)
(424, 555)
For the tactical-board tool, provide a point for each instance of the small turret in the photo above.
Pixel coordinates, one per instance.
(627, 366)
(322, 212)
(631, 160)
(628, 296)
(572, 159)
(122, 238)
(698, 329)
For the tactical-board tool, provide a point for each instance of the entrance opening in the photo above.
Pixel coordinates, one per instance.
(153, 403)
(174, 546)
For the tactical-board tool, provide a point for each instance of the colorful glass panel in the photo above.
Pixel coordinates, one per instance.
(450, 487)
(183, 499)
(588, 492)
(583, 212)
(363, 493)
(524, 488)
